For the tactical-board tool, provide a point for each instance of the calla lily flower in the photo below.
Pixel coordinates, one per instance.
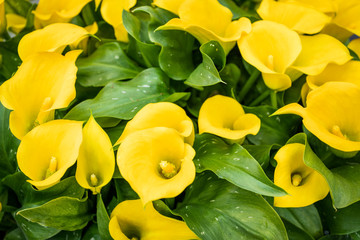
(348, 72)
(347, 15)
(272, 48)
(208, 20)
(157, 163)
(170, 5)
(130, 220)
(54, 11)
(44, 82)
(331, 114)
(225, 117)
(318, 51)
(52, 38)
(15, 22)
(161, 114)
(303, 184)
(296, 16)
(48, 150)
(96, 161)
(328, 7)
(111, 12)
(354, 45)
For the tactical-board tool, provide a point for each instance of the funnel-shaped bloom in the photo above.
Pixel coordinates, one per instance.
(15, 22)
(161, 114)
(225, 117)
(318, 51)
(348, 72)
(52, 38)
(170, 5)
(44, 82)
(130, 220)
(208, 20)
(157, 163)
(111, 12)
(272, 48)
(303, 184)
(47, 151)
(96, 161)
(297, 16)
(354, 45)
(55, 11)
(332, 114)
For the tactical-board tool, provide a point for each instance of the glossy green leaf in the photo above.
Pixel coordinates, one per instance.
(63, 213)
(273, 130)
(305, 218)
(216, 209)
(92, 233)
(72, 235)
(260, 152)
(102, 219)
(296, 233)
(233, 163)
(20, 7)
(207, 72)
(15, 234)
(108, 63)
(124, 99)
(293, 94)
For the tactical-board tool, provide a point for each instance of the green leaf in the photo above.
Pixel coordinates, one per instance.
(273, 130)
(92, 233)
(20, 7)
(124, 99)
(305, 218)
(63, 213)
(15, 234)
(108, 63)
(293, 94)
(296, 233)
(233, 163)
(260, 152)
(216, 209)
(343, 181)
(73, 235)
(207, 73)
(102, 218)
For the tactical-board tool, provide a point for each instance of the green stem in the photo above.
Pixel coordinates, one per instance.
(260, 98)
(249, 83)
(273, 99)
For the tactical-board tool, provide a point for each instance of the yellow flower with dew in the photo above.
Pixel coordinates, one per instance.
(272, 48)
(303, 184)
(48, 150)
(44, 82)
(111, 11)
(131, 221)
(52, 38)
(295, 15)
(161, 114)
(224, 116)
(96, 161)
(208, 20)
(157, 163)
(54, 11)
(332, 114)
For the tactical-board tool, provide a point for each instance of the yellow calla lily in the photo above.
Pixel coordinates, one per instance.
(348, 72)
(44, 82)
(96, 161)
(209, 20)
(303, 184)
(47, 151)
(225, 117)
(15, 22)
(326, 6)
(130, 220)
(161, 114)
(111, 12)
(52, 38)
(318, 51)
(170, 5)
(331, 114)
(347, 15)
(54, 11)
(157, 163)
(294, 15)
(354, 45)
(272, 48)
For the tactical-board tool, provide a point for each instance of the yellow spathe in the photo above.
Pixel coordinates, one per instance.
(161, 114)
(303, 184)
(15, 22)
(354, 45)
(44, 82)
(96, 161)
(130, 220)
(170, 5)
(157, 163)
(47, 151)
(224, 116)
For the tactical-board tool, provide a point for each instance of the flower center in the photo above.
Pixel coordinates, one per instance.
(270, 62)
(52, 167)
(296, 179)
(167, 169)
(94, 180)
(337, 132)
